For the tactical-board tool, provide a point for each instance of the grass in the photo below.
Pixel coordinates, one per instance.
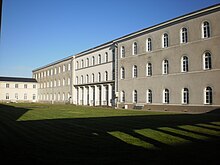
(67, 134)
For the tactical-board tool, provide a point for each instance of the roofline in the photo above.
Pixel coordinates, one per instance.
(171, 21)
(17, 79)
(53, 63)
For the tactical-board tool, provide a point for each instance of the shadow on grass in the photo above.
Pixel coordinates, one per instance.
(110, 140)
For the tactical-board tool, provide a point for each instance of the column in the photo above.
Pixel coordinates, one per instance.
(103, 100)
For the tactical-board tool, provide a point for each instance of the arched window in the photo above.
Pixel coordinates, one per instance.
(134, 72)
(99, 77)
(149, 96)
(106, 57)
(206, 30)
(208, 95)
(135, 96)
(82, 63)
(207, 61)
(165, 67)
(185, 63)
(122, 72)
(87, 62)
(93, 60)
(183, 35)
(93, 78)
(185, 96)
(149, 69)
(77, 66)
(166, 96)
(165, 39)
(122, 52)
(149, 45)
(87, 78)
(135, 48)
(123, 96)
(82, 79)
(106, 76)
(99, 59)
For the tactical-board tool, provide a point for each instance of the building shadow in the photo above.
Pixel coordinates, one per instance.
(110, 140)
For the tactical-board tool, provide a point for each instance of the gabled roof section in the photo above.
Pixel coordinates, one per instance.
(18, 79)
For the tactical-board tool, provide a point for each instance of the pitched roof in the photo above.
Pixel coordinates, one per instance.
(18, 79)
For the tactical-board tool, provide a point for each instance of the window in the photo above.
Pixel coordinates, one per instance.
(82, 63)
(165, 40)
(135, 47)
(93, 78)
(122, 52)
(81, 79)
(7, 96)
(63, 81)
(64, 68)
(122, 73)
(93, 60)
(205, 30)
(185, 96)
(149, 96)
(183, 35)
(7, 85)
(99, 59)
(134, 71)
(55, 70)
(48, 73)
(55, 83)
(34, 97)
(165, 67)
(25, 85)
(87, 62)
(34, 86)
(208, 95)
(16, 96)
(87, 78)
(59, 69)
(99, 77)
(68, 81)
(69, 66)
(59, 83)
(207, 61)
(25, 96)
(106, 57)
(134, 96)
(122, 96)
(77, 64)
(185, 63)
(166, 98)
(106, 76)
(149, 45)
(149, 69)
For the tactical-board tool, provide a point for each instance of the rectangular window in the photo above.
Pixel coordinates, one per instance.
(25, 96)
(16, 96)
(7, 96)
(16, 85)
(25, 85)
(7, 85)
(34, 86)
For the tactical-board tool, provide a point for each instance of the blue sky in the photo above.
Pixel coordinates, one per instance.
(38, 32)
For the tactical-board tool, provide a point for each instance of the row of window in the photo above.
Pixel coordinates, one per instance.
(51, 72)
(16, 96)
(57, 97)
(207, 65)
(206, 33)
(166, 96)
(87, 63)
(17, 85)
(92, 79)
(55, 83)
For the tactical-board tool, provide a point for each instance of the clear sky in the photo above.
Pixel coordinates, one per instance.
(38, 32)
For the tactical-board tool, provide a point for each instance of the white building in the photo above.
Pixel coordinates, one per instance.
(13, 89)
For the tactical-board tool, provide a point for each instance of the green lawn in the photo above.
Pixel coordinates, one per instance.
(67, 134)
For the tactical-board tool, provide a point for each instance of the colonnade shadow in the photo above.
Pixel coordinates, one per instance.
(101, 140)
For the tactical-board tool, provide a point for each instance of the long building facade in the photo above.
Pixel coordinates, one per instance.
(172, 64)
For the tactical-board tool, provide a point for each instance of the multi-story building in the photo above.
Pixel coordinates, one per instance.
(94, 76)
(55, 81)
(14, 89)
(176, 62)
